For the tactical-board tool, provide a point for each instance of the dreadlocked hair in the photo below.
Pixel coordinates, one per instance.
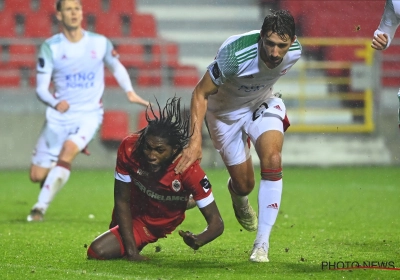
(280, 22)
(169, 124)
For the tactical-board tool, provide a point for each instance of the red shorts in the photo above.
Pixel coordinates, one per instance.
(141, 235)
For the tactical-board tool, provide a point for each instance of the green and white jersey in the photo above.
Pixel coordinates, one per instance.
(77, 71)
(243, 78)
(390, 20)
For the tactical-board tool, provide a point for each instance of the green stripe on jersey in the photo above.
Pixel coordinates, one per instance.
(250, 54)
(229, 60)
(45, 51)
(295, 46)
(244, 42)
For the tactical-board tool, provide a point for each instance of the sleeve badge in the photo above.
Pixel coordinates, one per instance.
(205, 183)
(41, 62)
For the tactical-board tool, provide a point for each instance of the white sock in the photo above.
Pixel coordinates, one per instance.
(237, 200)
(55, 180)
(269, 201)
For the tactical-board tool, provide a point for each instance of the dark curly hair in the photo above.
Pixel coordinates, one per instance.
(280, 22)
(170, 124)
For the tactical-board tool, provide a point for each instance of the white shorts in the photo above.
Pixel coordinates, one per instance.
(230, 136)
(54, 135)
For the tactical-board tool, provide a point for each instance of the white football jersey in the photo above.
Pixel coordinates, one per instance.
(390, 20)
(243, 78)
(77, 71)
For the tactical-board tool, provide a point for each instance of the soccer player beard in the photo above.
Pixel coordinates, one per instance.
(158, 153)
(162, 166)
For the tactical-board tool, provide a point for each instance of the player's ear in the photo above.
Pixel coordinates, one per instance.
(294, 38)
(58, 16)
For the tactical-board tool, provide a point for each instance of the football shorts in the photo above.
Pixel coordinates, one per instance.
(230, 137)
(54, 135)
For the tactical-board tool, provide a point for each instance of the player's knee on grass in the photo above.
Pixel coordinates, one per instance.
(105, 247)
(101, 251)
(93, 254)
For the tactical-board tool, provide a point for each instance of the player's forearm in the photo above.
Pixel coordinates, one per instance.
(388, 25)
(213, 230)
(198, 109)
(124, 219)
(121, 75)
(134, 98)
(42, 90)
(215, 224)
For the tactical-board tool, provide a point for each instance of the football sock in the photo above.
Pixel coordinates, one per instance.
(237, 200)
(55, 180)
(269, 200)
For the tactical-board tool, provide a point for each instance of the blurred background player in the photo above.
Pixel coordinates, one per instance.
(383, 36)
(74, 60)
(149, 198)
(237, 98)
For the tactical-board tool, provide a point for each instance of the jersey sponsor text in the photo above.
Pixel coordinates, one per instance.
(157, 196)
(80, 80)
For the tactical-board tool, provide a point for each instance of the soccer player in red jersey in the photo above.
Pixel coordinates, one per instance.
(149, 198)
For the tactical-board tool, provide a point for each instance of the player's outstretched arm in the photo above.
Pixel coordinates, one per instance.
(121, 75)
(122, 194)
(215, 227)
(198, 108)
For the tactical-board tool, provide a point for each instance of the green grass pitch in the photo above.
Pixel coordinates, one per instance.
(327, 215)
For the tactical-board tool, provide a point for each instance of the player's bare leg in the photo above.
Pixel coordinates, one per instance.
(55, 180)
(37, 174)
(240, 185)
(105, 247)
(269, 148)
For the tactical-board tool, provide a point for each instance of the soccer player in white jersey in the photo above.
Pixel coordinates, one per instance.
(236, 96)
(74, 60)
(383, 36)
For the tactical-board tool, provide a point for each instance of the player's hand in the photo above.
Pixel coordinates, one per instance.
(62, 106)
(190, 239)
(136, 258)
(188, 156)
(380, 42)
(134, 98)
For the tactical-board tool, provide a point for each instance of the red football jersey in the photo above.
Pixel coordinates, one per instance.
(160, 200)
